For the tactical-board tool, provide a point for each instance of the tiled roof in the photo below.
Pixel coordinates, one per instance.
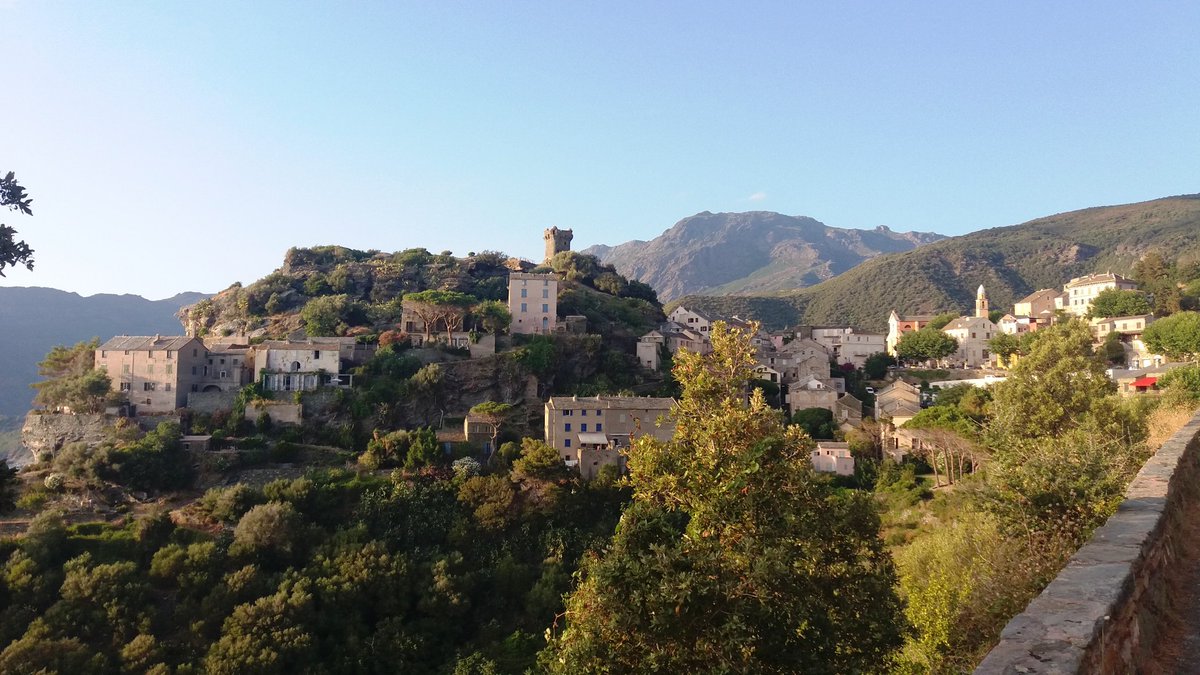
(1106, 277)
(611, 402)
(143, 343)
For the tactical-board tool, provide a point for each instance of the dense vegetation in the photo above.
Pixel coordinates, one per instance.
(1010, 262)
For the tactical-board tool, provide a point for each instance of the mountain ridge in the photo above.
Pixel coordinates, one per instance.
(1010, 261)
(748, 252)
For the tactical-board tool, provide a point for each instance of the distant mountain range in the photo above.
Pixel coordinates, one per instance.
(1010, 262)
(34, 320)
(750, 253)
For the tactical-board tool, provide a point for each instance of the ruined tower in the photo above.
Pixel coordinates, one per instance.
(557, 241)
(981, 303)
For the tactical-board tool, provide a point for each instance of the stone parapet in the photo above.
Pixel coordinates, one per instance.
(1105, 609)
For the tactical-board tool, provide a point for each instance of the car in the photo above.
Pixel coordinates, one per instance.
(870, 390)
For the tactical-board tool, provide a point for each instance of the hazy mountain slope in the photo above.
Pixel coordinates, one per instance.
(33, 320)
(745, 253)
(1010, 261)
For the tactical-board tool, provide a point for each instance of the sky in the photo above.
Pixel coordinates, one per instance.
(185, 146)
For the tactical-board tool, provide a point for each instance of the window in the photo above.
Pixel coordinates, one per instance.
(222, 361)
(524, 293)
(167, 387)
(583, 428)
(195, 387)
(224, 375)
(545, 282)
(567, 443)
(545, 307)
(193, 370)
(599, 427)
(545, 292)
(524, 308)
(235, 362)
(103, 354)
(583, 412)
(170, 355)
(316, 354)
(170, 369)
(124, 386)
(125, 368)
(567, 426)
(597, 413)
(148, 386)
(210, 362)
(568, 413)
(195, 353)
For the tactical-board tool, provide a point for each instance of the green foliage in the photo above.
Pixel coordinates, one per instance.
(493, 315)
(1053, 388)
(1115, 302)
(13, 252)
(1004, 345)
(1182, 384)
(876, 365)
(1177, 336)
(941, 320)
(927, 344)
(716, 566)
(331, 315)
(9, 487)
(816, 422)
(71, 379)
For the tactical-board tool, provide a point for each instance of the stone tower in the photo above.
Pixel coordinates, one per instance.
(557, 241)
(981, 303)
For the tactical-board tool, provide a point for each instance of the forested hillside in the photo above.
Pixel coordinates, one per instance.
(1010, 262)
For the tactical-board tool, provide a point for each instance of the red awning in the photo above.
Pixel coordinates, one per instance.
(1144, 382)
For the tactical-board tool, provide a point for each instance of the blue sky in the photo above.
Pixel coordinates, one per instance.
(175, 146)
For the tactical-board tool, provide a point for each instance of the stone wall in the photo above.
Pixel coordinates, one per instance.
(211, 401)
(279, 413)
(1105, 609)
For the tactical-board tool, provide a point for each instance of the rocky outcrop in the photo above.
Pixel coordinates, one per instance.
(50, 432)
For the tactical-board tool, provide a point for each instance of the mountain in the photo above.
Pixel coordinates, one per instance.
(749, 253)
(33, 320)
(1010, 262)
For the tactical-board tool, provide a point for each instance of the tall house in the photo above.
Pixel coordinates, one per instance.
(1079, 292)
(533, 302)
(899, 325)
(981, 303)
(557, 241)
(156, 372)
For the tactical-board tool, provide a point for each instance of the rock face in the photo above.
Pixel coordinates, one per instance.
(49, 432)
(758, 251)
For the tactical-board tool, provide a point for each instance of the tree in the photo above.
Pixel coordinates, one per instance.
(494, 316)
(9, 487)
(941, 320)
(816, 422)
(447, 307)
(927, 344)
(1177, 336)
(13, 252)
(733, 556)
(493, 414)
(876, 365)
(330, 315)
(1116, 302)
(1004, 345)
(71, 379)
(1053, 388)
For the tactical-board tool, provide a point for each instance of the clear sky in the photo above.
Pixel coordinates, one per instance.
(175, 146)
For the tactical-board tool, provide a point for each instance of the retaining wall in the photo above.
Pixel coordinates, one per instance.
(1102, 613)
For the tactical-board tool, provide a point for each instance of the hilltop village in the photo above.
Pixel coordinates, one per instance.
(843, 371)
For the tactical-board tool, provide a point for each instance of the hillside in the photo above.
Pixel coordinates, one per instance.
(36, 319)
(1010, 261)
(749, 253)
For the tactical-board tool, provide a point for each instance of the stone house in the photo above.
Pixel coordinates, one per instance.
(299, 365)
(533, 303)
(570, 421)
(811, 393)
(1078, 293)
(847, 345)
(648, 347)
(155, 372)
(1037, 304)
(972, 333)
(848, 412)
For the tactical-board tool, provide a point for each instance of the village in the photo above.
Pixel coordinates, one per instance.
(804, 366)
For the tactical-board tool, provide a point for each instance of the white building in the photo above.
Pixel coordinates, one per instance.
(299, 365)
(833, 457)
(848, 345)
(1079, 292)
